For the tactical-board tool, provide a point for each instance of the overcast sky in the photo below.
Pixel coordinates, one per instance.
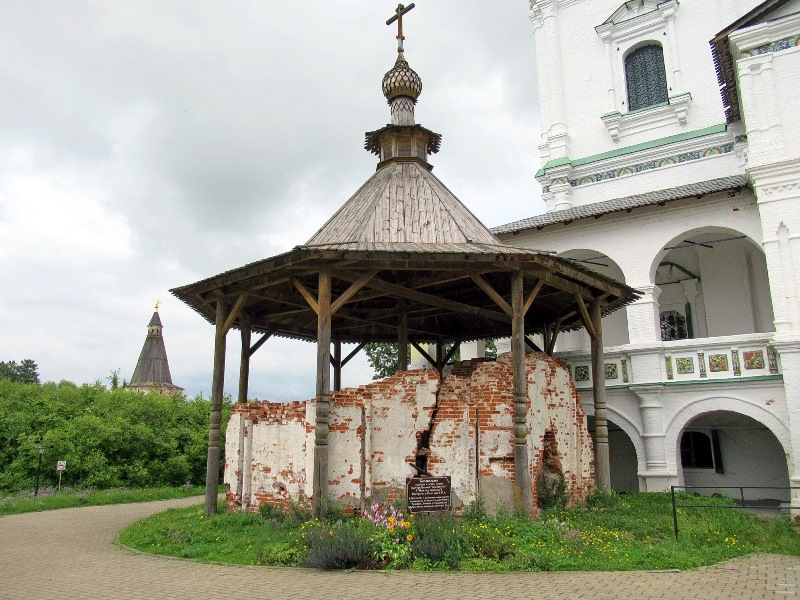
(149, 144)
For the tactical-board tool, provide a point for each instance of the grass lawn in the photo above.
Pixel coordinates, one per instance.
(611, 534)
(49, 499)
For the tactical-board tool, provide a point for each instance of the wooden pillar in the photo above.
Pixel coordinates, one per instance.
(602, 463)
(522, 475)
(217, 386)
(337, 365)
(402, 342)
(244, 364)
(320, 481)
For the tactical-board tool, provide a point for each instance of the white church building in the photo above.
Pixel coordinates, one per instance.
(670, 160)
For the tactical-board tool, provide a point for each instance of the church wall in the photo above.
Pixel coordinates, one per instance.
(588, 69)
(375, 430)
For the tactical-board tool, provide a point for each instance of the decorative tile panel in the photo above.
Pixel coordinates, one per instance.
(737, 367)
(773, 360)
(624, 363)
(652, 164)
(776, 46)
(701, 361)
(611, 371)
(718, 363)
(684, 365)
(753, 359)
(582, 373)
(668, 363)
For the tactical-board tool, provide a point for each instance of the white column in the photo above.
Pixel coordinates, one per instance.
(470, 350)
(674, 55)
(657, 475)
(644, 317)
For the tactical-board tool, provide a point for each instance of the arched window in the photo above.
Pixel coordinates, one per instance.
(646, 77)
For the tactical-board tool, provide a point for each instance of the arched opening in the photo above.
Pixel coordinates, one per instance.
(646, 77)
(713, 282)
(615, 325)
(622, 456)
(726, 448)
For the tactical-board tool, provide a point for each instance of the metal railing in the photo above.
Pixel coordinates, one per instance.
(741, 503)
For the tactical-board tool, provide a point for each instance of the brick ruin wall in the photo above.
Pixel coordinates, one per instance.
(375, 431)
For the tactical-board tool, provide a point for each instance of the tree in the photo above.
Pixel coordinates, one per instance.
(382, 357)
(26, 371)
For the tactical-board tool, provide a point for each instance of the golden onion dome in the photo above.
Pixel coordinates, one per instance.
(401, 80)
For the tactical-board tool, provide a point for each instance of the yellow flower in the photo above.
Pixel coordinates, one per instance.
(409, 537)
(330, 532)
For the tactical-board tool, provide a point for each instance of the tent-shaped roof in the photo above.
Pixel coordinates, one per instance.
(403, 202)
(152, 368)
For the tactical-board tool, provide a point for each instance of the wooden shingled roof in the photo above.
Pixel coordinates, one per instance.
(403, 202)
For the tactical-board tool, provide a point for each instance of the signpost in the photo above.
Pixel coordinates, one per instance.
(428, 494)
(61, 466)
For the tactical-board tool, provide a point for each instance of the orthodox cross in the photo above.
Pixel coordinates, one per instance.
(398, 16)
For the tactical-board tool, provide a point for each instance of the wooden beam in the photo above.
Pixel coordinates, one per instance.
(402, 342)
(587, 320)
(530, 344)
(217, 392)
(357, 349)
(234, 312)
(260, 343)
(351, 291)
(336, 359)
(492, 293)
(451, 352)
(601, 450)
(244, 364)
(522, 477)
(323, 403)
(431, 300)
(532, 296)
(305, 294)
(552, 345)
(425, 355)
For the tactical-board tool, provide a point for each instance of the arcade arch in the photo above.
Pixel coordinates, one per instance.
(748, 447)
(713, 282)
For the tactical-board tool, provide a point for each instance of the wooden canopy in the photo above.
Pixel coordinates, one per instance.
(446, 292)
(404, 260)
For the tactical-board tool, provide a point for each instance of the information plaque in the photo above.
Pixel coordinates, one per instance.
(428, 494)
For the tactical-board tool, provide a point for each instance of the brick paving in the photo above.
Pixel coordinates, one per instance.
(70, 554)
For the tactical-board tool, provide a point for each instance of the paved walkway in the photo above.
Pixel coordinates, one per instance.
(70, 554)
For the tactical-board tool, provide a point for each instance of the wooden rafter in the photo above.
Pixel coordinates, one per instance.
(492, 293)
(309, 297)
(587, 320)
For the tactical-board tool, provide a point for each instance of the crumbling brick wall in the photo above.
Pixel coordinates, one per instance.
(473, 438)
(376, 428)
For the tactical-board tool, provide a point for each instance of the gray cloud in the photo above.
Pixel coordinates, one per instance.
(150, 144)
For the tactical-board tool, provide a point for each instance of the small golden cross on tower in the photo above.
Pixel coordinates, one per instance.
(157, 303)
(398, 16)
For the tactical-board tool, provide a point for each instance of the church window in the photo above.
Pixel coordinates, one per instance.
(646, 77)
(673, 326)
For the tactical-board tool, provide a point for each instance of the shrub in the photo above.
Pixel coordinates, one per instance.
(551, 491)
(338, 547)
(438, 538)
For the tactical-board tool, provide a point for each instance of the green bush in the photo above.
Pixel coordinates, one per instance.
(438, 538)
(109, 438)
(336, 547)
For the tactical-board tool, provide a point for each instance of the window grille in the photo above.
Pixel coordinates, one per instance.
(673, 326)
(646, 77)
